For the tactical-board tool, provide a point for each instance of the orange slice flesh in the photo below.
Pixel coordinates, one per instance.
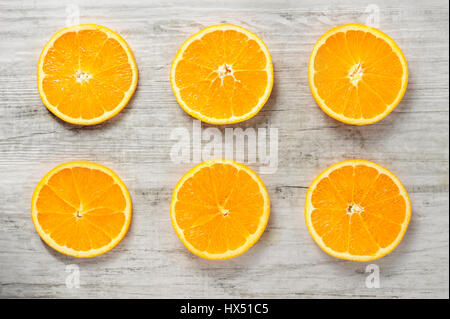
(81, 209)
(357, 74)
(219, 209)
(357, 210)
(222, 74)
(86, 74)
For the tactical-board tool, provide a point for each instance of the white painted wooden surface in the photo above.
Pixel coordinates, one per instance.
(151, 262)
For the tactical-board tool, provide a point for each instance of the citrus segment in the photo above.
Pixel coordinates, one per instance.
(357, 74)
(219, 209)
(222, 75)
(81, 209)
(357, 210)
(86, 74)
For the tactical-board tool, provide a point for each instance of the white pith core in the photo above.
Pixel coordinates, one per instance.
(82, 76)
(224, 70)
(224, 211)
(354, 209)
(355, 74)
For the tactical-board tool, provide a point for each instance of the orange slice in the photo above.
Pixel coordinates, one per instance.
(357, 210)
(219, 209)
(81, 209)
(86, 74)
(222, 74)
(357, 74)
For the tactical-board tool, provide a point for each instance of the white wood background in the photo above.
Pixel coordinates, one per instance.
(151, 261)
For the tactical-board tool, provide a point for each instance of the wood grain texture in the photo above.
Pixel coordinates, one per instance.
(413, 142)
